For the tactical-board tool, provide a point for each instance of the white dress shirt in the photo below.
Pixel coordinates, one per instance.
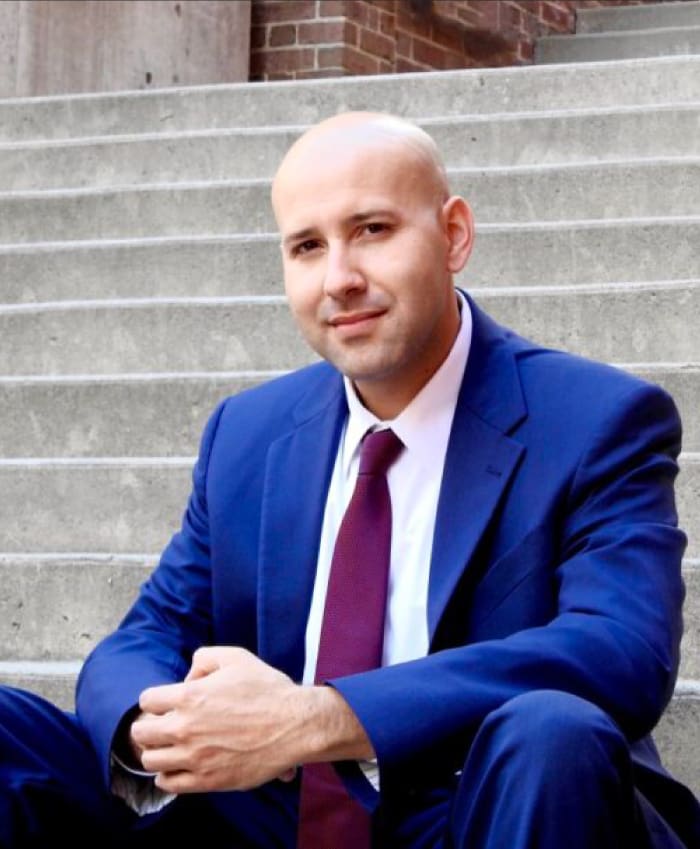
(414, 485)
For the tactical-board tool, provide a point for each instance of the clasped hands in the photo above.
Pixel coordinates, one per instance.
(235, 723)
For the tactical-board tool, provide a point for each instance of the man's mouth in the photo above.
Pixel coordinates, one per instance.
(359, 317)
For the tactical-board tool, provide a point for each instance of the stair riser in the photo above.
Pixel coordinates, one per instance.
(155, 418)
(528, 257)
(680, 41)
(499, 142)
(625, 325)
(121, 509)
(654, 16)
(162, 417)
(58, 609)
(574, 193)
(475, 92)
(678, 741)
(157, 338)
(129, 508)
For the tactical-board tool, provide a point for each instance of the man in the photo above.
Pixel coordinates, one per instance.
(532, 603)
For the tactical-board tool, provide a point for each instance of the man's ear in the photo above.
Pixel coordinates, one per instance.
(459, 229)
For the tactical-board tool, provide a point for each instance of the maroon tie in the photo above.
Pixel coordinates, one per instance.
(351, 636)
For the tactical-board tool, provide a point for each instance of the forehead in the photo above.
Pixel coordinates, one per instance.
(323, 181)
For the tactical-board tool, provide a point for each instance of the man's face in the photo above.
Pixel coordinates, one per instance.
(366, 255)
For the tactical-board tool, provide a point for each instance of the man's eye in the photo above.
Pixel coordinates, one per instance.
(375, 227)
(304, 247)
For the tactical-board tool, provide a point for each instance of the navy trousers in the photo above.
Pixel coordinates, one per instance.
(545, 771)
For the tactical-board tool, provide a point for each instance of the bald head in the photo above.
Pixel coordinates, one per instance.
(364, 133)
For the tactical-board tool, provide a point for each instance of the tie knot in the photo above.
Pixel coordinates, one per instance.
(379, 450)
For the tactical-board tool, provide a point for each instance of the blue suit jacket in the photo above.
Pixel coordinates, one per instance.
(555, 564)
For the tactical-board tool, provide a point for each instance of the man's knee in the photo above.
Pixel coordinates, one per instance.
(548, 730)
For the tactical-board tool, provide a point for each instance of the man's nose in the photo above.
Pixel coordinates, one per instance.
(342, 274)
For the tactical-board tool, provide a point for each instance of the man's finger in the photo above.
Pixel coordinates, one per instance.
(160, 700)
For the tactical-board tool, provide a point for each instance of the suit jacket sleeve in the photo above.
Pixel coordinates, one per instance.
(158, 636)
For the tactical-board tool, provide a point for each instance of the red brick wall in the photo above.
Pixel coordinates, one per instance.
(297, 39)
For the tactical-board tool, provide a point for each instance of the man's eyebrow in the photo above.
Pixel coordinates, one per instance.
(356, 218)
(298, 235)
(359, 217)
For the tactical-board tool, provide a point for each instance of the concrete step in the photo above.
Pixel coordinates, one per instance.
(465, 92)
(626, 323)
(57, 606)
(688, 501)
(676, 735)
(133, 505)
(54, 680)
(161, 415)
(480, 141)
(158, 415)
(125, 506)
(690, 647)
(112, 416)
(651, 16)
(639, 188)
(628, 44)
(102, 337)
(534, 254)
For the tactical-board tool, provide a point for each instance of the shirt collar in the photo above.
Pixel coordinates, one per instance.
(431, 410)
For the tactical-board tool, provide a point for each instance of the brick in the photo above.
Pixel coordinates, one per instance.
(560, 19)
(322, 32)
(385, 5)
(283, 35)
(447, 34)
(278, 11)
(526, 51)
(332, 8)
(403, 44)
(359, 63)
(408, 66)
(330, 57)
(468, 15)
(258, 37)
(387, 24)
(489, 12)
(288, 60)
(377, 44)
(435, 56)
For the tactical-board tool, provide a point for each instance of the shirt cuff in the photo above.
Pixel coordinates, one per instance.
(137, 788)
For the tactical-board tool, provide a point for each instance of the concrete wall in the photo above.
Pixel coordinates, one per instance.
(69, 46)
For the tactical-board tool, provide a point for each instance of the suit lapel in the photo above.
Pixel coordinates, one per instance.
(480, 458)
(298, 473)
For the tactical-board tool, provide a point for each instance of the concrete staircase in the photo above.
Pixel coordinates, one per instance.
(619, 32)
(140, 283)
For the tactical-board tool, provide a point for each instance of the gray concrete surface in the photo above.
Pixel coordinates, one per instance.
(647, 16)
(628, 323)
(656, 187)
(519, 139)
(630, 44)
(55, 46)
(59, 607)
(667, 79)
(531, 254)
(156, 415)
